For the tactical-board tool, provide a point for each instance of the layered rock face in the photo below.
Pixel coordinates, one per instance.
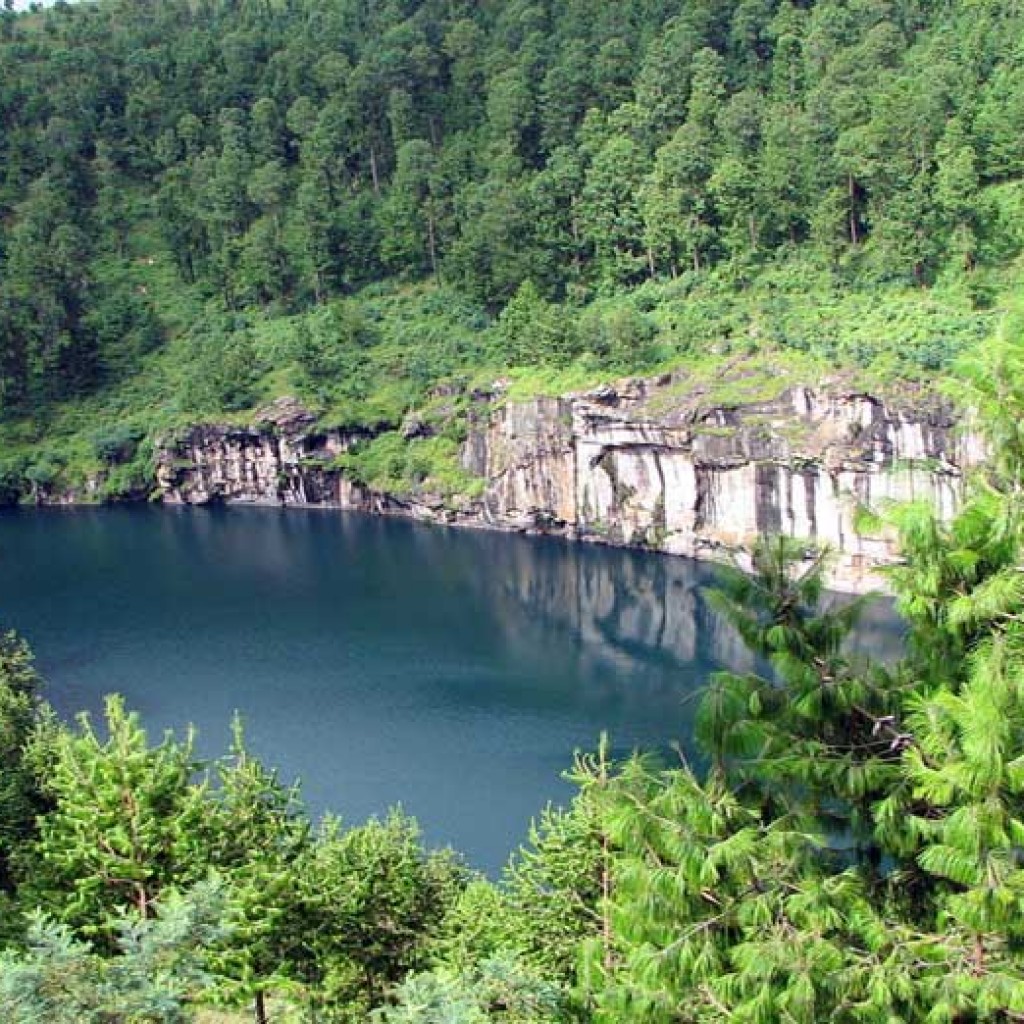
(635, 465)
(282, 459)
(645, 463)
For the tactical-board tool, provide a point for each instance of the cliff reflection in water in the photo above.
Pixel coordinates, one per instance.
(451, 671)
(621, 607)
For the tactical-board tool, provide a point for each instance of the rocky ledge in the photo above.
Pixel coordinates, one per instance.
(649, 463)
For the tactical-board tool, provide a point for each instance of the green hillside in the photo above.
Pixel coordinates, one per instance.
(204, 205)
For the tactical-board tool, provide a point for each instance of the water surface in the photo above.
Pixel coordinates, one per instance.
(379, 661)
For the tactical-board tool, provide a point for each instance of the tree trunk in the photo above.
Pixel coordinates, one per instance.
(373, 171)
(607, 936)
(143, 902)
(432, 245)
(259, 1007)
(852, 191)
(606, 914)
(370, 984)
(436, 132)
(574, 227)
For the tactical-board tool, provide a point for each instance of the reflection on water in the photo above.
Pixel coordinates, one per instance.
(381, 661)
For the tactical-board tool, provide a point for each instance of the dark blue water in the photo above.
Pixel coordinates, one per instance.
(379, 661)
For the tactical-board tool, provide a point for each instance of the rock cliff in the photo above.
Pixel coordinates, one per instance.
(652, 463)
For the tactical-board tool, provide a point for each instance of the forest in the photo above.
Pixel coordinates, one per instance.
(206, 204)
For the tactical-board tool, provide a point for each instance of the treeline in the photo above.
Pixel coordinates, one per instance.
(286, 152)
(850, 852)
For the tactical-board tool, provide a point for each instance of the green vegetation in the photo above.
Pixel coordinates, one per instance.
(390, 462)
(205, 206)
(849, 852)
(158, 966)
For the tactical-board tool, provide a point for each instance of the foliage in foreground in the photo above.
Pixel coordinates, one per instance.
(853, 852)
(158, 967)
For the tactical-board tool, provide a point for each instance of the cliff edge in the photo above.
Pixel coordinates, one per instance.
(645, 462)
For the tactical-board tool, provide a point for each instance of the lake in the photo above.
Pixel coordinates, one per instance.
(379, 661)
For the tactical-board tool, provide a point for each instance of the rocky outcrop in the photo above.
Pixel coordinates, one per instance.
(282, 458)
(652, 463)
(644, 464)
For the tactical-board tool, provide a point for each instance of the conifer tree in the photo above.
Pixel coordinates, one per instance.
(558, 883)
(158, 970)
(127, 821)
(372, 902)
(20, 796)
(257, 834)
(818, 736)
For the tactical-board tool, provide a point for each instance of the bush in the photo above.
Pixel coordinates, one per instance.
(498, 990)
(127, 481)
(225, 370)
(115, 443)
(534, 331)
(44, 473)
(391, 463)
(12, 481)
(620, 336)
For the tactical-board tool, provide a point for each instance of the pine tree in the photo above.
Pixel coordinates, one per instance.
(127, 822)
(819, 736)
(158, 970)
(558, 882)
(20, 714)
(372, 901)
(257, 834)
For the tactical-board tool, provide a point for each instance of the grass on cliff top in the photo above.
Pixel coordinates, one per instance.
(888, 331)
(733, 381)
(372, 360)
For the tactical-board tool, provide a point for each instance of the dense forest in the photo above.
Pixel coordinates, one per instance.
(848, 851)
(205, 204)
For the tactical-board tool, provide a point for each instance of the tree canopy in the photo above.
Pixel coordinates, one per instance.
(193, 168)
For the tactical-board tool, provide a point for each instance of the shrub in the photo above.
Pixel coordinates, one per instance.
(115, 443)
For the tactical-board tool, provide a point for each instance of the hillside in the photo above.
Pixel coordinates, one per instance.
(208, 205)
